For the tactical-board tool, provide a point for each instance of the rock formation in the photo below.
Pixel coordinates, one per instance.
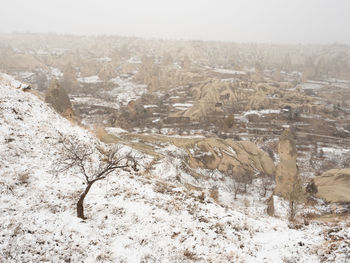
(334, 185)
(287, 174)
(227, 154)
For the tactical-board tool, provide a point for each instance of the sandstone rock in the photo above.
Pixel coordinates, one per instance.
(287, 174)
(334, 185)
(213, 153)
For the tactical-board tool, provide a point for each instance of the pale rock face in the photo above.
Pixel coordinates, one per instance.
(220, 154)
(334, 185)
(286, 146)
(287, 173)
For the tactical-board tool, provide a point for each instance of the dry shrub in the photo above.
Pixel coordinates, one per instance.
(202, 219)
(229, 121)
(311, 215)
(202, 197)
(191, 187)
(288, 260)
(101, 133)
(175, 234)
(161, 187)
(214, 193)
(23, 178)
(219, 228)
(190, 255)
(148, 258)
(246, 202)
(149, 166)
(173, 205)
(296, 226)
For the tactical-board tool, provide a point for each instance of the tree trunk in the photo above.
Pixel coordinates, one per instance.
(80, 204)
(291, 210)
(265, 191)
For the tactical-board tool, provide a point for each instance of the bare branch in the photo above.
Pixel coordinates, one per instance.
(79, 155)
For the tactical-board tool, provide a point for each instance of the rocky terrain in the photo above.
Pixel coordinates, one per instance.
(243, 150)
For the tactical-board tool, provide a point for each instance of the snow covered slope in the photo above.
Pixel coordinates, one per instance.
(132, 217)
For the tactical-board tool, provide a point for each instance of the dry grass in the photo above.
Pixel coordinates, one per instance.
(23, 178)
(105, 136)
(162, 187)
(190, 255)
(214, 194)
(246, 202)
(191, 187)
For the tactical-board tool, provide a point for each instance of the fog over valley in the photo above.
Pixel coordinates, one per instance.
(175, 131)
(273, 21)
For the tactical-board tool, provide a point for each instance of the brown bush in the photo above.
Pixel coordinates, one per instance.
(229, 122)
(190, 255)
(23, 178)
(214, 193)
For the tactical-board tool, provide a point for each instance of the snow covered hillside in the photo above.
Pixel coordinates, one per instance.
(132, 216)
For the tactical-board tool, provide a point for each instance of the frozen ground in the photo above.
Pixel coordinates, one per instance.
(132, 217)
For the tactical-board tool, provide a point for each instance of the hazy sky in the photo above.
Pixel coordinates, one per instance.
(271, 21)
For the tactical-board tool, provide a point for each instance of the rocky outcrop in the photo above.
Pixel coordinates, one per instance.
(240, 96)
(334, 185)
(107, 72)
(287, 174)
(212, 153)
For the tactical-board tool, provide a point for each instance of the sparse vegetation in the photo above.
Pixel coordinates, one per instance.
(295, 196)
(267, 183)
(206, 116)
(93, 167)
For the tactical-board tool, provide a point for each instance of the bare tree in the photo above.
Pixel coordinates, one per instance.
(267, 182)
(246, 177)
(236, 187)
(239, 182)
(295, 195)
(92, 166)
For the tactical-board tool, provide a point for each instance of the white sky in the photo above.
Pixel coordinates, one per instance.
(270, 21)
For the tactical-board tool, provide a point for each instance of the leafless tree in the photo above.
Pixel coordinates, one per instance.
(295, 195)
(239, 181)
(92, 166)
(267, 182)
(246, 177)
(236, 187)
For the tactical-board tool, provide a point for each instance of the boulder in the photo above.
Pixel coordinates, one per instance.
(334, 185)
